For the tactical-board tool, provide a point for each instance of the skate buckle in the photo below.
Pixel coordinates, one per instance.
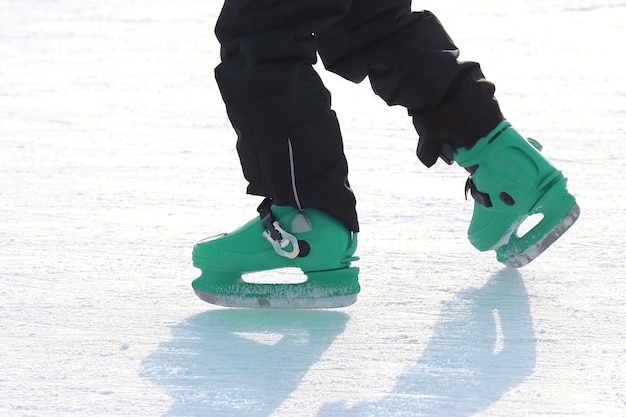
(478, 196)
(280, 239)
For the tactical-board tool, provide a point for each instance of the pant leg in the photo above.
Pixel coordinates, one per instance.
(411, 61)
(289, 142)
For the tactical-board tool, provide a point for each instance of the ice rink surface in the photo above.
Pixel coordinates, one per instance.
(116, 156)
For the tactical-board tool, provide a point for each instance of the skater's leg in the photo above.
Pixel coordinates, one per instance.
(291, 152)
(411, 61)
(289, 141)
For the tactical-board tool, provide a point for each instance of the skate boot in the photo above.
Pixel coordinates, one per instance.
(281, 237)
(510, 181)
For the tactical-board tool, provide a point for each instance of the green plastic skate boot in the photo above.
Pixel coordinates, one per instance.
(282, 237)
(510, 181)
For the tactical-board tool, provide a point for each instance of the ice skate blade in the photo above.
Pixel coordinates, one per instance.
(276, 302)
(532, 252)
(322, 289)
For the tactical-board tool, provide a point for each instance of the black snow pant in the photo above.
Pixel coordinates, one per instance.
(289, 141)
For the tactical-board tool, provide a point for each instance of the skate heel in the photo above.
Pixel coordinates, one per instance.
(559, 210)
(339, 286)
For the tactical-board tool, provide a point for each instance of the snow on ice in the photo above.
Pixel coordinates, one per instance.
(117, 156)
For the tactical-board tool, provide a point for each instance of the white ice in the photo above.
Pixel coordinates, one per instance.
(116, 157)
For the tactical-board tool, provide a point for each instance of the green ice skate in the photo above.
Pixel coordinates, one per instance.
(281, 237)
(510, 181)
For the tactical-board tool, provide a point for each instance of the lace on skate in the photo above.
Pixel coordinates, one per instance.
(275, 234)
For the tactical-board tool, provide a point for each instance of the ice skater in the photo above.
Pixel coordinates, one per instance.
(291, 151)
